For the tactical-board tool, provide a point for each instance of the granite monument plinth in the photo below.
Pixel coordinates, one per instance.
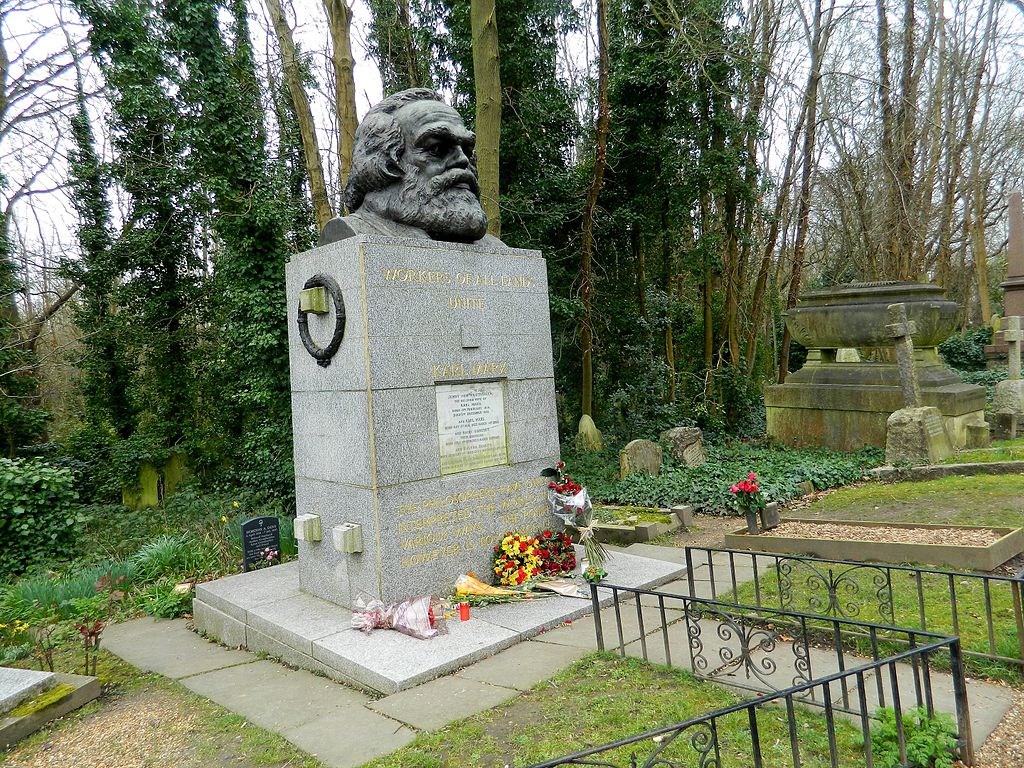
(428, 430)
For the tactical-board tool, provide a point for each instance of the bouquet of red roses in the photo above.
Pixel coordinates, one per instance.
(570, 503)
(557, 555)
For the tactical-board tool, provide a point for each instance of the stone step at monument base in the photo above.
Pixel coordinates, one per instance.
(264, 611)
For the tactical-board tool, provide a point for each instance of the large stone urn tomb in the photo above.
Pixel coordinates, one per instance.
(845, 405)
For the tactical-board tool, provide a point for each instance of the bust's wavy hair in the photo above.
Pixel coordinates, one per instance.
(379, 146)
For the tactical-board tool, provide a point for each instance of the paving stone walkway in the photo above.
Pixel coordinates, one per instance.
(306, 709)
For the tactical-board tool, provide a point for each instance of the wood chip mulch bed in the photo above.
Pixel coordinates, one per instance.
(881, 533)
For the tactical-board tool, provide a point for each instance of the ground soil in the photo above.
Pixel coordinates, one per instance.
(148, 728)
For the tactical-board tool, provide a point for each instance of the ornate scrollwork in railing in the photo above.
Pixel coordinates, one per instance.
(703, 737)
(836, 592)
(746, 638)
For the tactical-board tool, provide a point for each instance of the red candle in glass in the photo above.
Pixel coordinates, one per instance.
(464, 611)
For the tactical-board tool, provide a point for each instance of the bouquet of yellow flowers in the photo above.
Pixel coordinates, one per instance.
(516, 559)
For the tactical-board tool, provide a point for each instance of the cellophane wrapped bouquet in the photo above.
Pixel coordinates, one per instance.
(419, 617)
(571, 504)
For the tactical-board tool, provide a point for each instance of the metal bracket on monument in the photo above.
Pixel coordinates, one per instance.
(323, 355)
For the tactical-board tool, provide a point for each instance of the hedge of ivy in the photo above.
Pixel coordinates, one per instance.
(38, 516)
(706, 488)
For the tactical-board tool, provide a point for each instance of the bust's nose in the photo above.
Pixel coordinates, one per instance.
(457, 158)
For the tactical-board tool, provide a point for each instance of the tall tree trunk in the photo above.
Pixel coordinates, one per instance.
(590, 209)
(819, 43)
(310, 147)
(339, 18)
(487, 79)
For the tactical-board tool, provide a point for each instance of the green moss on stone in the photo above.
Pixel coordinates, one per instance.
(43, 700)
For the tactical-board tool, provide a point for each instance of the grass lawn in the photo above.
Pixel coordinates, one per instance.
(603, 698)
(980, 500)
(144, 720)
(1001, 450)
(970, 598)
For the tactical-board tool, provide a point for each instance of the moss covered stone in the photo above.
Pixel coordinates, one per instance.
(42, 701)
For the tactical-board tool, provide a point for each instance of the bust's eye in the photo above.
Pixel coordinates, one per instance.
(435, 148)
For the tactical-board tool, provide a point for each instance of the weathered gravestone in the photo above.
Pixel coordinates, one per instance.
(640, 456)
(914, 433)
(686, 444)
(1008, 401)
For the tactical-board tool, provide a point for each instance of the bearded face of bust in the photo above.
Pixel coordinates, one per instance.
(413, 164)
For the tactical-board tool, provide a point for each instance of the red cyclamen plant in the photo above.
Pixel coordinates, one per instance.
(749, 500)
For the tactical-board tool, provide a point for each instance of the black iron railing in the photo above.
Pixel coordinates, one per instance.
(779, 655)
(852, 589)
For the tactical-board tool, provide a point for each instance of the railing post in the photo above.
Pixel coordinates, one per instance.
(963, 709)
(689, 570)
(1018, 615)
(596, 603)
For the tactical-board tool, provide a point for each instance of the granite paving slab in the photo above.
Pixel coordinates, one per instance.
(168, 648)
(524, 665)
(234, 595)
(349, 737)
(388, 661)
(18, 685)
(435, 704)
(273, 696)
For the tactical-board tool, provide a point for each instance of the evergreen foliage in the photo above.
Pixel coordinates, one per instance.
(39, 518)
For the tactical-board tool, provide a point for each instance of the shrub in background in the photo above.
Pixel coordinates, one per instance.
(965, 351)
(38, 517)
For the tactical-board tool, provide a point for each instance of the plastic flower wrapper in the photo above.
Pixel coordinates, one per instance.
(420, 617)
(571, 504)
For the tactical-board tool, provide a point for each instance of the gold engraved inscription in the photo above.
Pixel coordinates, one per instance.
(460, 370)
(451, 525)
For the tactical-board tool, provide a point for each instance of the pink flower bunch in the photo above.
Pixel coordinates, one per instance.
(750, 485)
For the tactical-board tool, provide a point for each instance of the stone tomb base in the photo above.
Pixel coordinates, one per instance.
(265, 611)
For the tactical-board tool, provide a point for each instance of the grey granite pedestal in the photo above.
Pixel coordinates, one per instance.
(265, 611)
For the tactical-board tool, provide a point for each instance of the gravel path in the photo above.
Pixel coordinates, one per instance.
(1005, 747)
(832, 531)
(143, 730)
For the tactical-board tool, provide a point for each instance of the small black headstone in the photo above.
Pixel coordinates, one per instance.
(258, 535)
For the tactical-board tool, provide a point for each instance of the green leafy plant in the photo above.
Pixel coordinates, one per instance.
(965, 351)
(706, 487)
(930, 741)
(165, 599)
(40, 517)
(178, 556)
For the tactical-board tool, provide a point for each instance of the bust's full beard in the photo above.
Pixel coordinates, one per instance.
(447, 207)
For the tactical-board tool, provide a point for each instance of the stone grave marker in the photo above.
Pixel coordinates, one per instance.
(686, 444)
(18, 685)
(914, 433)
(259, 534)
(1008, 401)
(640, 456)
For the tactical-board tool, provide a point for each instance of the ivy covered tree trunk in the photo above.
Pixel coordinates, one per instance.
(488, 107)
(107, 377)
(251, 417)
(589, 212)
(153, 259)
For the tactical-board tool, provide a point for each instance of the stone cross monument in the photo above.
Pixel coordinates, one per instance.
(1008, 401)
(915, 433)
(902, 331)
(1013, 304)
